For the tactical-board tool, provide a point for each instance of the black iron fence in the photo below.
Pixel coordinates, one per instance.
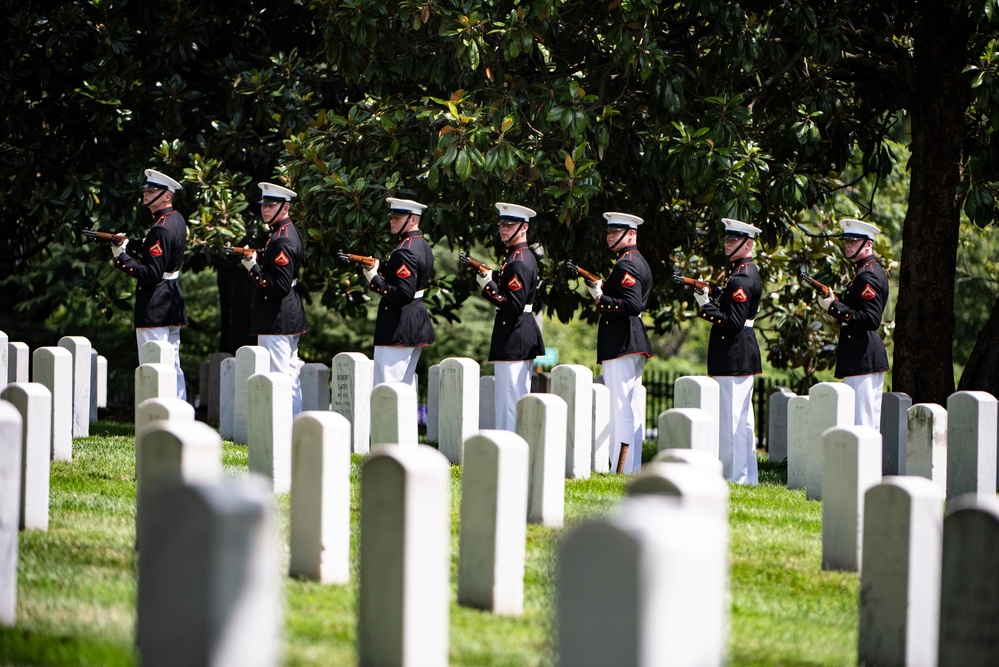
(659, 397)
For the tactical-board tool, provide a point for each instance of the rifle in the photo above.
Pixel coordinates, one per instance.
(824, 290)
(694, 282)
(360, 259)
(240, 252)
(591, 279)
(116, 239)
(478, 266)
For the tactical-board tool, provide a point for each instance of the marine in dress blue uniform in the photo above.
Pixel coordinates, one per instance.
(516, 338)
(861, 358)
(155, 262)
(277, 318)
(622, 342)
(734, 354)
(402, 327)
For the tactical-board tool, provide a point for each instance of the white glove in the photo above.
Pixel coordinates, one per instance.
(701, 297)
(118, 249)
(483, 278)
(826, 301)
(370, 271)
(595, 291)
(249, 262)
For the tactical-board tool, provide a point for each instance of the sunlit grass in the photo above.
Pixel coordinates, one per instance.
(76, 582)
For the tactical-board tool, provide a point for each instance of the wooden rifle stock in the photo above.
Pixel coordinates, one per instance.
(359, 259)
(116, 239)
(590, 278)
(824, 290)
(692, 282)
(478, 266)
(239, 252)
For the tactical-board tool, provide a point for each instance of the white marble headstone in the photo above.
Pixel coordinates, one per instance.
(319, 534)
(405, 553)
(208, 589)
(601, 428)
(493, 535)
(971, 444)
(394, 405)
(34, 402)
(53, 367)
(851, 465)
(573, 384)
(10, 508)
(269, 400)
(926, 443)
(250, 360)
(830, 404)
(352, 378)
(459, 410)
(315, 387)
(645, 586)
(900, 577)
(18, 362)
(541, 422)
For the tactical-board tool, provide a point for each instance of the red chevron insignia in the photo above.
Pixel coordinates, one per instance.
(156, 250)
(740, 295)
(627, 280)
(515, 284)
(282, 259)
(869, 293)
(403, 271)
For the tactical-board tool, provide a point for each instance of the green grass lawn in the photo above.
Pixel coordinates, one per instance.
(76, 582)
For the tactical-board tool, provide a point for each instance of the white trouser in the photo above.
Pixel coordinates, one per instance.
(736, 436)
(396, 364)
(513, 380)
(284, 359)
(868, 388)
(172, 336)
(621, 377)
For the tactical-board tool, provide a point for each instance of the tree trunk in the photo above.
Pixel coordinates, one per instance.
(982, 371)
(924, 325)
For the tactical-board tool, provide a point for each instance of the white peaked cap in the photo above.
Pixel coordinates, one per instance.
(405, 206)
(514, 211)
(271, 192)
(853, 227)
(154, 177)
(615, 219)
(739, 227)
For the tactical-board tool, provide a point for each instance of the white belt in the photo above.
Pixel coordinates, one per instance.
(749, 324)
(529, 308)
(294, 282)
(419, 294)
(171, 275)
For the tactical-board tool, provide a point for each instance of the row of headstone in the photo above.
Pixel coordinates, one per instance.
(929, 586)
(954, 447)
(33, 402)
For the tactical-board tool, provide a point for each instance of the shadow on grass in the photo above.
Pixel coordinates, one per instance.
(24, 647)
(773, 473)
(106, 429)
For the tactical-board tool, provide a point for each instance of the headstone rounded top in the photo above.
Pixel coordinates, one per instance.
(55, 351)
(9, 413)
(413, 459)
(909, 484)
(505, 440)
(542, 399)
(27, 389)
(831, 389)
(322, 418)
(973, 501)
(187, 431)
